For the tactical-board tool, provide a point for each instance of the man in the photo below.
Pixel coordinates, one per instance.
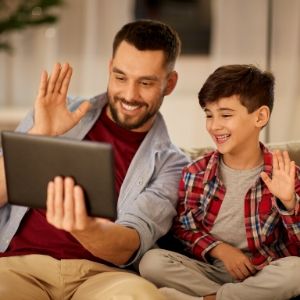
(63, 253)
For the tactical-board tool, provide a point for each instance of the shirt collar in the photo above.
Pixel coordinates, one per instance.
(214, 160)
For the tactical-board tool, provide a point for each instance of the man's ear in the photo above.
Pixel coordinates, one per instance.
(171, 83)
(262, 116)
(110, 65)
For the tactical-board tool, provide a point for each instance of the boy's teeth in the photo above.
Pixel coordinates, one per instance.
(222, 137)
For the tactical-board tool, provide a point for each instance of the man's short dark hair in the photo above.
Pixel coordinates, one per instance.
(150, 35)
(254, 87)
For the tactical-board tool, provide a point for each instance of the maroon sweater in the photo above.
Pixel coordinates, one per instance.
(36, 236)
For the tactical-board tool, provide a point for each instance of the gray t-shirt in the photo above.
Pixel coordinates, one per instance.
(229, 226)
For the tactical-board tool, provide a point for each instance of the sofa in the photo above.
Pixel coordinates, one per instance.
(293, 148)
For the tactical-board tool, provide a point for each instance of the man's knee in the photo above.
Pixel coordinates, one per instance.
(117, 285)
(14, 287)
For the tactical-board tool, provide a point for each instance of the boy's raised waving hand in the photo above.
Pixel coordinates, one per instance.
(282, 183)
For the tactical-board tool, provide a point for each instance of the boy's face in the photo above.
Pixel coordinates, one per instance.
(231, 127)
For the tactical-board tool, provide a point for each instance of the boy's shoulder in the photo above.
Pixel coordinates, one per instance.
(202, 163)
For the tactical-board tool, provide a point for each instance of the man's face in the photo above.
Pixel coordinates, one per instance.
(138, 82)
(231, 127)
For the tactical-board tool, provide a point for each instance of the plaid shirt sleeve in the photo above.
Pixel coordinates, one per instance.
(195, 214)
(291, 219)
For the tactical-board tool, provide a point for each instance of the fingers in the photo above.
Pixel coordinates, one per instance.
(80, 208)
(287, 162)
(59, 80)
(66, 81)
(243, 270)
(266, 179)
(69, 217)
(50, 202)
(63, 76)
(53, 78)
(58, 201)
(81, 110)
(43, 84)
(279, 156)
(282, 162)
(66, 205)
(292, 170)
(250, 267)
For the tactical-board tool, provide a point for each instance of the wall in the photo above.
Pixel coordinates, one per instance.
(84, 36)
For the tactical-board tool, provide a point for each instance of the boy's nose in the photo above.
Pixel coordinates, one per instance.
(216, 124)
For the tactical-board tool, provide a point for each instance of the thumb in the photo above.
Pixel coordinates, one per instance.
(82, 110)
(266, 179)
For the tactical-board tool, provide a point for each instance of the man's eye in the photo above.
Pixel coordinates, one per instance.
(226, 116)
(145, 83)
(120, 78)
(208, 117)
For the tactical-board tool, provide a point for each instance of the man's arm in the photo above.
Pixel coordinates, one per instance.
(51, 114)
(109, 241)
(66, 210)
(3, 195)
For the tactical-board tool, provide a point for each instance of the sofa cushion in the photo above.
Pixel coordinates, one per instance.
(293, 148)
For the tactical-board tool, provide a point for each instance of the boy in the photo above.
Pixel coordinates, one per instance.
(238, 211)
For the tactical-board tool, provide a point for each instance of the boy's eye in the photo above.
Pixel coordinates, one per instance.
(208, 116)
(226, 116)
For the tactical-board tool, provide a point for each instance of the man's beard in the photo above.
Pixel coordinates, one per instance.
(128, 124)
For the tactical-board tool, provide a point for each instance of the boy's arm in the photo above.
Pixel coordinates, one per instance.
(237, 263)
(282, 183)
(190, 228)
(188, 224)
(285, 186)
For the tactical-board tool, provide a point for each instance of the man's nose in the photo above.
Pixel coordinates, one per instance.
(131, 91)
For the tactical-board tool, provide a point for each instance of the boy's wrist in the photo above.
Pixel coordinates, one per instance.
(288, 206)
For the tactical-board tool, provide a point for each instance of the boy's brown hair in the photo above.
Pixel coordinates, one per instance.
(254, 87)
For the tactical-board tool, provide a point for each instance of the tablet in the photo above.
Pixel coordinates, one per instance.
(31, 161)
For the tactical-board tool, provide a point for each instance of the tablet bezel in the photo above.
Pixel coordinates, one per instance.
(31, 161)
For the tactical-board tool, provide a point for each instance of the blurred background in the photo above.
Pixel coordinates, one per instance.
(34, 34)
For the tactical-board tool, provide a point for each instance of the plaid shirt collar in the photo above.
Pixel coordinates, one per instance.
(213, 163)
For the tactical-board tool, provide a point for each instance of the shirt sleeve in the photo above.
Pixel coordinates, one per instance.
(189, 225)
(153, 208)
(291, 219)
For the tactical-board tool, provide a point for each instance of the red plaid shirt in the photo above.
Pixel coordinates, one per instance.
(272, 232)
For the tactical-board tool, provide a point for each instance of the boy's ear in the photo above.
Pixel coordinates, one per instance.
(262, 116)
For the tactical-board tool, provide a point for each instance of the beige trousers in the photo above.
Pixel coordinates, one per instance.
(40, 277)
(278, 281)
